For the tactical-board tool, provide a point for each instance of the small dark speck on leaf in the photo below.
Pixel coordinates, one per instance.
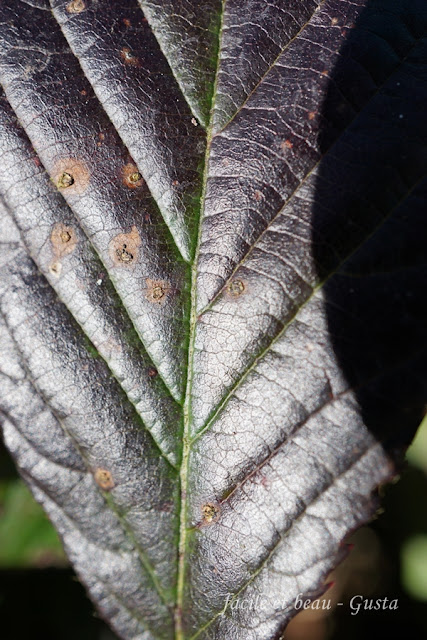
(152, 372)
(123, 255)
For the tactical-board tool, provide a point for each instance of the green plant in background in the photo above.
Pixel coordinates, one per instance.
(27, 538)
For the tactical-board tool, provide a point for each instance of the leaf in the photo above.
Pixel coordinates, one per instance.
(212, 291)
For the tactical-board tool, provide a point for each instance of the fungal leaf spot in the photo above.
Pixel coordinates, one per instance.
(157, 291)
(124, 248)
(235, 288)
(131, 176)
(129, 57)
(75, 6)
(210, 513)
(104, 479)
(63, 239)
(72, 175)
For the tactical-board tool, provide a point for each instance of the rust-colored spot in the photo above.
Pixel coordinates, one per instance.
(129, 57)
(124, 248)
(71, 174)
(258, 195)
(76, 6)
(126, 22)
(324, 72)
(334, 21)
(157, 290)
(286, 144)
(152, 372)
(104, 479)
(131, 176)
(311, 115)
(210, 512)
(236, 288)
(63, 239)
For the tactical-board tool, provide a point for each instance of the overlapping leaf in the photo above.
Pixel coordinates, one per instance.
(213, 320)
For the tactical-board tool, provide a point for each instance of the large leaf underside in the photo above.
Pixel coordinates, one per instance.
(213, 335)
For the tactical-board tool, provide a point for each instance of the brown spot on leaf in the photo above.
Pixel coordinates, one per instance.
(210, 513)
(71, 174)
(76, 6)
(152, 372)
(311, 115)
(124, 248)
(236, 288)
(157, 291)
(104, 479)
(286, 144)
(131, 176)
(258, 195)
(334, 21)
(129, 57)
(126, 22)
(63, 239)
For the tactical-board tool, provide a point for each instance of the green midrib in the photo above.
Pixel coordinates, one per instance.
(187, 414)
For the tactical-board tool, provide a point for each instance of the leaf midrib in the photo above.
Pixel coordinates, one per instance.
(187, 415)
(188, 442)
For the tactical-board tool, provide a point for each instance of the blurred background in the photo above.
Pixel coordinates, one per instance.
(40, 596)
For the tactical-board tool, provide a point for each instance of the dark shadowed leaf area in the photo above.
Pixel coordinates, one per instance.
(213, 310)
